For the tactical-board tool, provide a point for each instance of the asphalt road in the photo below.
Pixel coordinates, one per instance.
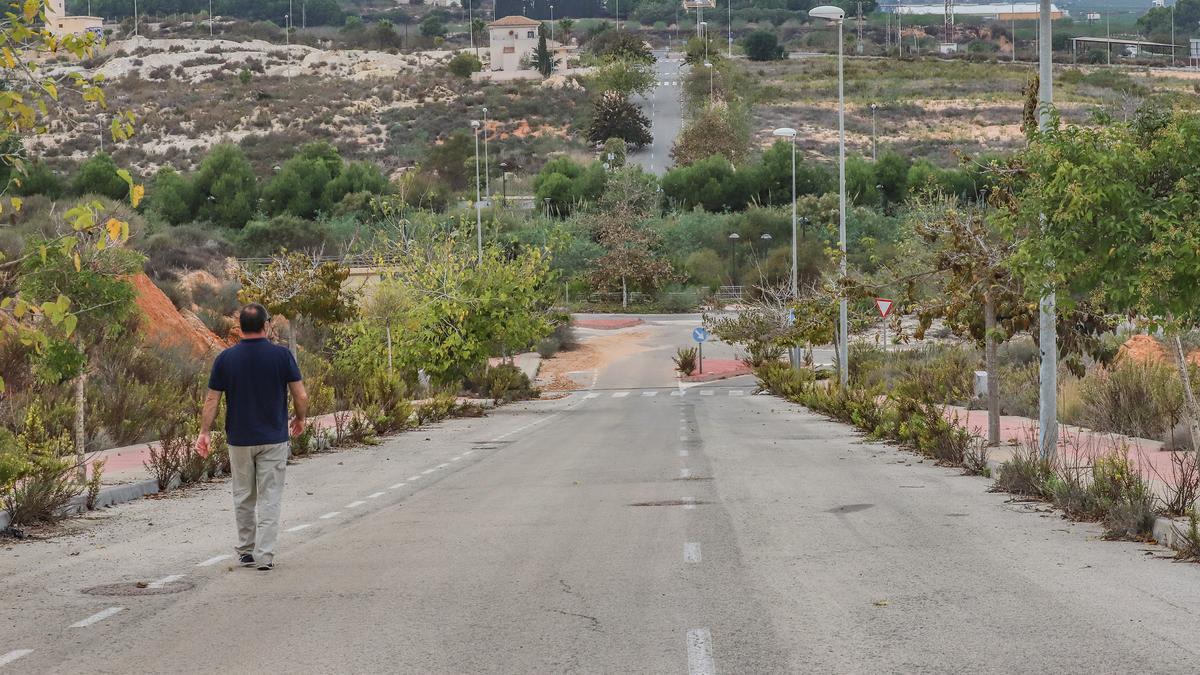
(632, 527)
(664, 107)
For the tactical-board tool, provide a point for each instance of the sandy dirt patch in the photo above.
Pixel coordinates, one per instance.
(591, 355)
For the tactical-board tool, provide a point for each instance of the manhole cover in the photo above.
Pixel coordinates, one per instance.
(142, 588)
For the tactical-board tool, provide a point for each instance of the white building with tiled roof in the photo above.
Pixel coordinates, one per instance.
(512, 38)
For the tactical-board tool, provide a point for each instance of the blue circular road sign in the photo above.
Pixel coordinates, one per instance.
(699, 334)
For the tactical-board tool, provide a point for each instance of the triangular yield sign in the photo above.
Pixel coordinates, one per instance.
(884, 305)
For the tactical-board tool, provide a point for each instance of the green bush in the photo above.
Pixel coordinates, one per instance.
(36, 482)
(98, 176)
(463, 64)
(1026, 474)
(507, 382)
(685, 360)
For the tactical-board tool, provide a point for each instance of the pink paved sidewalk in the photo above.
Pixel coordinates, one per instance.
(607, 324)
(719, 369)
(1075, 444)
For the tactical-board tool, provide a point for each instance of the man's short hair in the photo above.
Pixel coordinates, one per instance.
(253, 318)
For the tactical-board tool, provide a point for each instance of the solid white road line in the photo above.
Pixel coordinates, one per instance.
(352, 505)
(691, 552)
(707, 392)
(685, 473)
(649, 393)
(399, 485)
(14, 655)
(620, 394)
(414, 478)
(375, 495)
(214, 560)
(329, 515)
(427, 472)
(298, 527)
(455, 459)
(97, 617)
(699, 650)
(164, 581)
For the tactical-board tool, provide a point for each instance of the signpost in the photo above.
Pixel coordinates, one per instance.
(885, 308)
(700, 334)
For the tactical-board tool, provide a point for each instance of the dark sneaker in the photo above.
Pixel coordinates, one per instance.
(266, 566)
(246, 560)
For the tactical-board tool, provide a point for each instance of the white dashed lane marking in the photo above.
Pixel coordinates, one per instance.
(356, 504)
(620, 394)
(298, 527)
(699, 649)
(214, 560)
(683, 453)
(375, 495)
(97, 617)
(414, 478)
(427, 472)
(329, 515)
(399, 485)
(707, 392)
(164, 581)
(14, 655)
(649, 393)
(592, 395)
(685, 473)
(691, 552)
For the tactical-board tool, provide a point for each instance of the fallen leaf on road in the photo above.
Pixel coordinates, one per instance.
(881, 603)
(141, 584)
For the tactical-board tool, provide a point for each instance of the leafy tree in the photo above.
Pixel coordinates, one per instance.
(566, 26)
(568, 184)
(621, 45)
(98, 176)
(1111, 212)
(774, 175)
(695, 52)
(29, 105)
(265, 238)
(39, 179)
(448, 159)
(712, 183)
(615, 152)
(356, 177)
(432, 27)
(615, 116)
(891, 171)
(172, 197)
(295, 286)
(762, 45)
(624, 75)
(463, 64)
(705, 267)
(383, 35)
(631, 257)
(95, 279)
(225, 187)
(543, 60)
(721, 129)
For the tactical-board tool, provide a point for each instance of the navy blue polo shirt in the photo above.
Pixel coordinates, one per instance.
(254, 375)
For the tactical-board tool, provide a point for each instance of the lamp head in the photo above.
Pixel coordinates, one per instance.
(827, 12)
(785, 132)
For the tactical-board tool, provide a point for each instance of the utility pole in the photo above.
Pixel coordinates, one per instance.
(135, 19)
(1172, 34)
(487, 175)
(729, 25)
(1047, 312)
(1013, 8)
(210, 18)
(858, 47)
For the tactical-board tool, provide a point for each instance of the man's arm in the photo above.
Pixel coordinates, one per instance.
(211, 401)
(300, 404)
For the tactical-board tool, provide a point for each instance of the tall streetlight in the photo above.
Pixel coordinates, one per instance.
(729, 26)
(287, 32)
(838, 16)
(471, 24)
(1173, 34)
(210, 18)
(733, 240)
(874, 147)
(478, 206)
(704, 36)
(135, 18)
(789, 133)
(551, 22)
(487, 174)
(710, 81)
(1047, 312)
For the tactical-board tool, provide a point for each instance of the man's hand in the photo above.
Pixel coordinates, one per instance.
(297, 426)
(203, 444)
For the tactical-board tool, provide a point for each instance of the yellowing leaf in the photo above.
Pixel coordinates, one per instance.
(136, 193)
(31, 9)
(16, 203)
(69, 323)
(114, 228)
(52, 89)
(78, 264)
(8, 58)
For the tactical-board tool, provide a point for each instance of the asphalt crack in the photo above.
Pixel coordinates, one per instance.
(594, 623)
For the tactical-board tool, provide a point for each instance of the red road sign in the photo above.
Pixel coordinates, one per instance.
(884, 306)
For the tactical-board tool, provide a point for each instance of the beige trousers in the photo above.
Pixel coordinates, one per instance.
(257, 492)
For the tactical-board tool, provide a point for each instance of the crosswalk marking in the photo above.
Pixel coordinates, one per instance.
(707, 392)
(620, 394)
(649, 393)
(592, 395)
(736, 392)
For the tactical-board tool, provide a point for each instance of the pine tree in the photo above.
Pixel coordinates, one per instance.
(543, 60)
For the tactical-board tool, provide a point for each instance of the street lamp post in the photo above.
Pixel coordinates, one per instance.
(838, 15)
(733, 240)
(287, 31)
(874, 154)
(487, 174)
(1047, 311)
(210, 17)
(551, 22)
(710, 81)
(478, 206)
(787, 132)
(729, 25)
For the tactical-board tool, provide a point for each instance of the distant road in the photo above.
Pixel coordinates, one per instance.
(665, 110)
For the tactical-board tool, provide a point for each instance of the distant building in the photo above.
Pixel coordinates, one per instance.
(512, 39)
(58, 23)
(1019, 11)
(1160, 3)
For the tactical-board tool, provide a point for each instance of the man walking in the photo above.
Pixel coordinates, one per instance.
(255, 376)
